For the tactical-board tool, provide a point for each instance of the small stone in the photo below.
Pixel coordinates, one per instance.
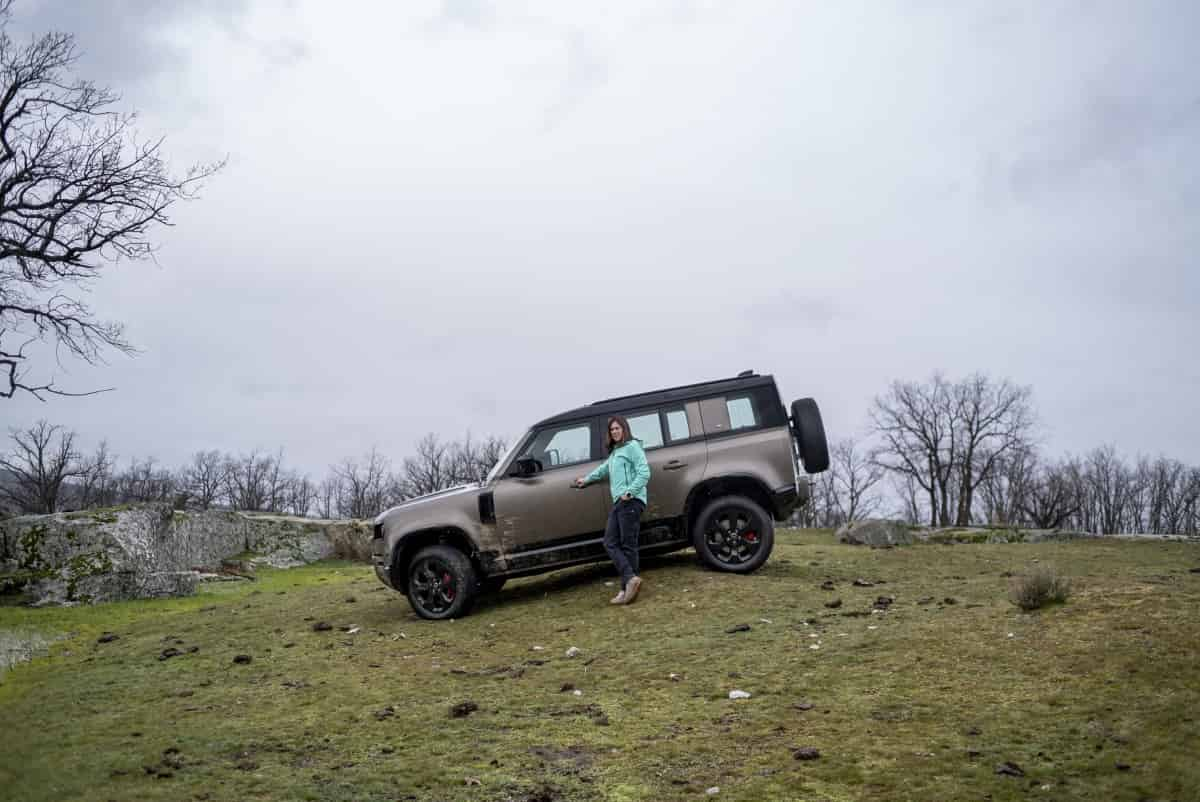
(1123, 767)
(765, 621)
(833, 605)
(107, 637)
(387, 750)
(472, 781)
(566, 686)
(739, 695)
(828, 585)
(537, 648)
(385, 713)
(242, 659)
(574, 651)
(737, 628)
(862, 583)
(806, 753)
(804, 706)
(815, 646)
(577, 692)
(883, 602)
(351, 600)
(949, 600)
(716, 789)
(322, 626)
(925, 600)
(674, 677)
(167, 654)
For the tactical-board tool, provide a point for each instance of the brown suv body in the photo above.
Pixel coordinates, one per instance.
(730, 439)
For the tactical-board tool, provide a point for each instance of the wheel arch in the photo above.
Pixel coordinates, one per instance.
(409, 543)
(739, 484)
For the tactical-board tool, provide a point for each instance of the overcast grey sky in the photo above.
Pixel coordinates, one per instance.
(468, 214)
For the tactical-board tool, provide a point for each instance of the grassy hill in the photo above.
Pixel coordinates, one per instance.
(1096, 699)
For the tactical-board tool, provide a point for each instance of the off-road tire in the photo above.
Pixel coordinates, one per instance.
(733, 534)
(442, 583)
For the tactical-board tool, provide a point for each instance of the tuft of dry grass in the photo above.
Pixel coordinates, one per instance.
(1038, 587)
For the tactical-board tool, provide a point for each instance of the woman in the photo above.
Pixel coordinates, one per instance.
(628, 473)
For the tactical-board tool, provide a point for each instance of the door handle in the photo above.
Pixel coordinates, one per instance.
(674, 465)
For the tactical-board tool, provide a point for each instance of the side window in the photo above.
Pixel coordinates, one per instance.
(741, 412)
(564, 445)
(677, 425)
(647, 428)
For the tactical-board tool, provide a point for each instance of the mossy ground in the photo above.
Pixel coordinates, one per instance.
(921, 702)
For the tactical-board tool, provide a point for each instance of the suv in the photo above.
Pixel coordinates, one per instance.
(722, 458)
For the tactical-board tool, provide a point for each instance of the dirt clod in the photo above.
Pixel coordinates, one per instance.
(806, 753)
(737, 628)
(1010, 769)
(108, 637)
(833, 605)
(242, 659)
(463, 709)
(322, 626)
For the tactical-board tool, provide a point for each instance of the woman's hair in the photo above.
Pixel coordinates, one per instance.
(626, 434)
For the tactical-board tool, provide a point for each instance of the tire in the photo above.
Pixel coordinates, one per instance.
(441, 583)
(491, 584)
(810, 435)
(733, 534)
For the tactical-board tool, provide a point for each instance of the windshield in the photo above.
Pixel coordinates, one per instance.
(495, 471)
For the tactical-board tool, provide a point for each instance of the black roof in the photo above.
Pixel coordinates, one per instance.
(685, 392)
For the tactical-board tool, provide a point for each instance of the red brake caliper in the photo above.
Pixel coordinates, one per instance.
(448, 585)
(751, 537)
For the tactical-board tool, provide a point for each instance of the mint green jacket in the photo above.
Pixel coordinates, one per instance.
(626, 470)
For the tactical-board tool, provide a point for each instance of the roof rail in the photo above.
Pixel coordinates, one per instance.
(745, 374)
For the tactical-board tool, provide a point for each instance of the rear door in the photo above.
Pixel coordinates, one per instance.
(674, 442)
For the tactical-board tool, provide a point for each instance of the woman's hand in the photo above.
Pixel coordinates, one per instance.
(627, 497)
(580, 481)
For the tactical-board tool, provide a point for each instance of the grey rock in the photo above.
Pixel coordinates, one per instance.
(151, 550)
(875, 532)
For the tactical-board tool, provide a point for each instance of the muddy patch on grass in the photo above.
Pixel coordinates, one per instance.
(18, 646)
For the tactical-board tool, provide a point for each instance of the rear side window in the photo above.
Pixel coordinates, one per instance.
(677, 425)
(753, 408)
(647, 428)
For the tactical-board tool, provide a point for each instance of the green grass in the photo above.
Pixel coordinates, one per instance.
(920, 702)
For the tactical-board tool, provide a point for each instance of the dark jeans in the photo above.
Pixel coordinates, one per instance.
(621, 537)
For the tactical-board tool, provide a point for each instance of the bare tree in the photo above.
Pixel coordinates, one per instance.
(42, 460)
(204, 478)
(78, 191)
(1005, 489)
(1051, 498)
(97, 487)
(302, 495)
(854, 475)
(472, 460)
(145, 480)
(246, 481)
(431, 469)
(328, 493)
(363, 484)
(948, 437)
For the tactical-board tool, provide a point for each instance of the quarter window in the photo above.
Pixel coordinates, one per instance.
(741, 412)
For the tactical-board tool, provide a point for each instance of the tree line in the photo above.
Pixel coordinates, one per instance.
(45, 472)
(939, 452)
(947, 452)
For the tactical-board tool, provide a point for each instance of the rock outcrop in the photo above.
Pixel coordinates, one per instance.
(875, 532)
(149, 550)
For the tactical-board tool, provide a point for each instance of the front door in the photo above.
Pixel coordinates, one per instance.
(542, 518)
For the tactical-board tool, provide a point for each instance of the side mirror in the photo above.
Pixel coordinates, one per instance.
(525, 466)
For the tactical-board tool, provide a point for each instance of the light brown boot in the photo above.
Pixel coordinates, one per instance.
(631, 589)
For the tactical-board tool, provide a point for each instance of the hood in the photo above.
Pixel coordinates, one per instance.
(425, 499)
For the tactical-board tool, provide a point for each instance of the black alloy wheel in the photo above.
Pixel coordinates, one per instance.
(734, 534)
(441, 583)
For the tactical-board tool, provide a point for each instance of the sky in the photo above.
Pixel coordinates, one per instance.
(464, 215)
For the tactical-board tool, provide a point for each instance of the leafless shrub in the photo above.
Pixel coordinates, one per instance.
(1039, 586)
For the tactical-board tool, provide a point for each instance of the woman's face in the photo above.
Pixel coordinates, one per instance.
(615, 432)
